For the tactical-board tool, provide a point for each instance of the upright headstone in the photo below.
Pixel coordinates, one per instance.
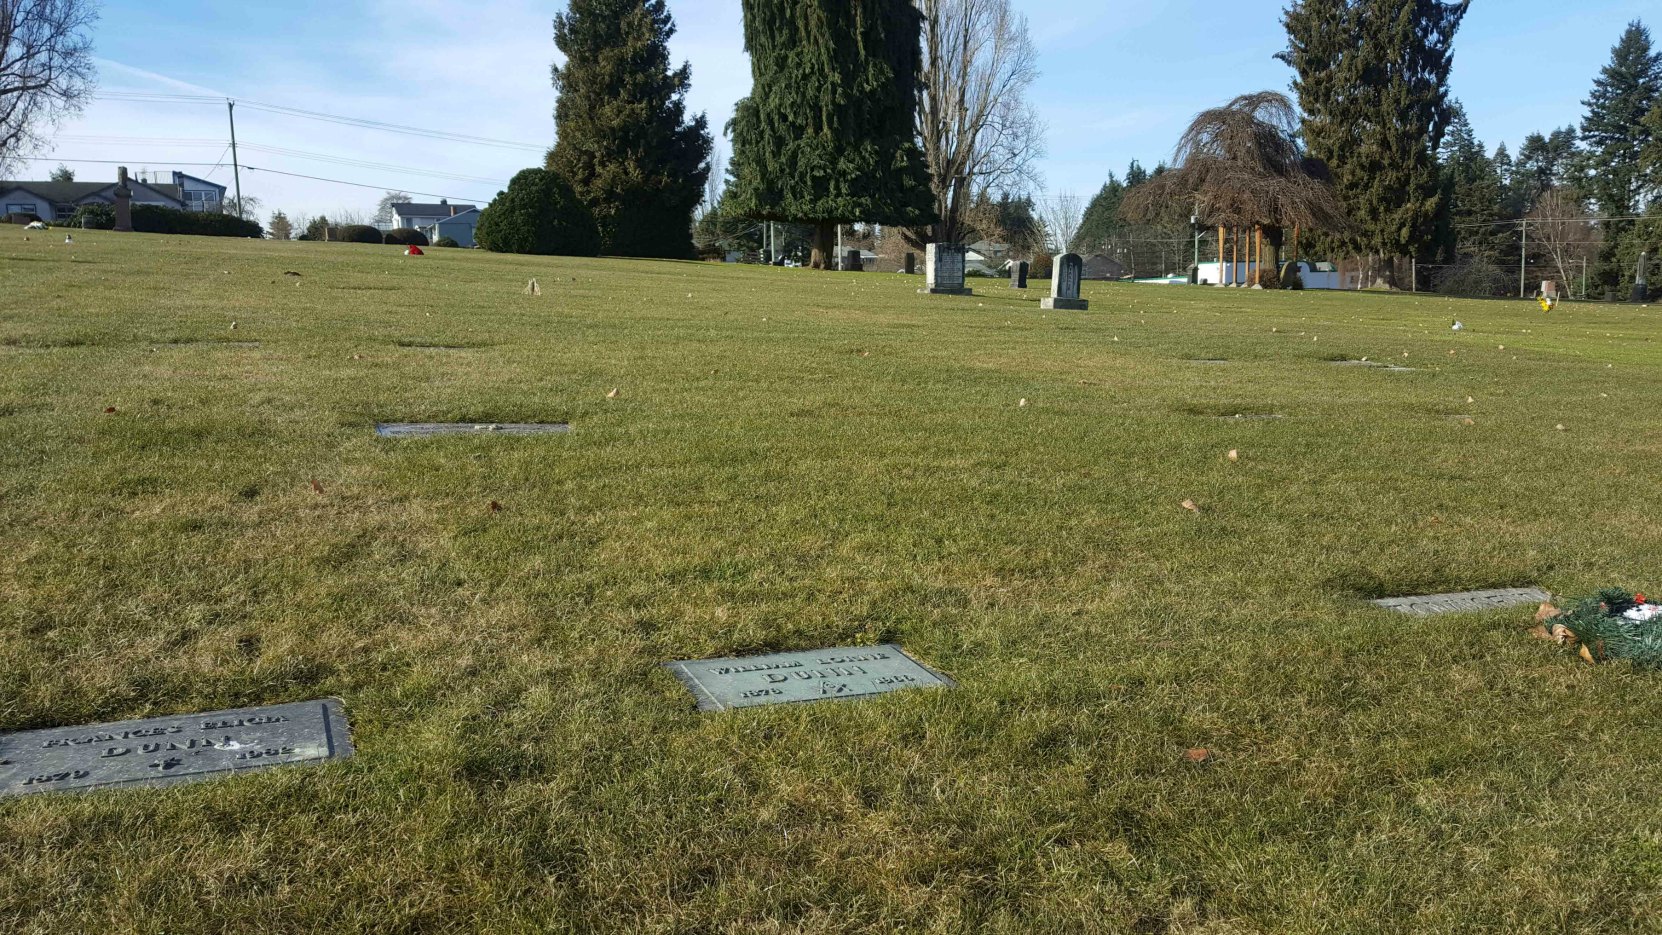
(123, 201)
(911, 264)
(1018, 275)
(852, 263)
(1641, 288)
(1064, 284)
(943, 267)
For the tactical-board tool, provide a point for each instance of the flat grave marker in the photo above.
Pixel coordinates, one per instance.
(428, 429)
(808, 675)
(167, 750)
(1464, 602)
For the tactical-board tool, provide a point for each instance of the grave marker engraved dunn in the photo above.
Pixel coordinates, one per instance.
(166, 750)
(810, 675)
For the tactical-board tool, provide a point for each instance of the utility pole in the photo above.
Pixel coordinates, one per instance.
(236, 169)
(1523, 264)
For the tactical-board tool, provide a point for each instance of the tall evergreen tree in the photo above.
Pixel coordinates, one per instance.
(1546, 162)
(1473, 192)
(625, 143)
(1102, 216)
(1373, 84)
(828, 134)
(1614, 137)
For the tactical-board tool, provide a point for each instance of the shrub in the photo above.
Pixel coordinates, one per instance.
(360, 233)
(446, 242)
(406, 237)
(1291, 278)
(1474, 277)
(1268, 278)
(540, 214)
(155, 219)
(21, 218)
(95, 216)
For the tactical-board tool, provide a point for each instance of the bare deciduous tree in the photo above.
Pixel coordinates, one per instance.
(383, 208)
(46, 69)
(1561, 228)
(979, 132)
(1061, 215)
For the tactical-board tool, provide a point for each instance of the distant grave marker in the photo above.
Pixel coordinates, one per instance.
(167, 750)
(1427, 605)
(852, 262)
(427, 429)
(944, 269)
(911, 264)
(1018, 275)
(1064, 284)
(809, 675)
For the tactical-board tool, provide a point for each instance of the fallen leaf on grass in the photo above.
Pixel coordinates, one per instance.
(109, 410)
(496, 507)
(615, 393)
(1559, 427)
(1021, 404)
(1190, 506)
(317, 488)
(1198, 755)
(1234, 454)
(1547, 612)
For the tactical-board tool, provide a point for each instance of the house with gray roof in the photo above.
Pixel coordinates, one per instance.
(416, 216)
(458, 227)
(56, 201)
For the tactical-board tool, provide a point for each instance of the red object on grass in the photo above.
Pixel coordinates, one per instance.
(414, 251)
(1640, 598)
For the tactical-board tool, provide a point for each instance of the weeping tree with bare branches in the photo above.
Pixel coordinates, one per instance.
(1240, 167)
(46, 69)
(978, 131)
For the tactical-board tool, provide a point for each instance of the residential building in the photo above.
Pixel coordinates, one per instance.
(422, 216)
(458, 227)
(56, 201)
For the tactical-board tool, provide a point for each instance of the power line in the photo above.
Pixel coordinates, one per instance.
(316, 178)
(282, 110)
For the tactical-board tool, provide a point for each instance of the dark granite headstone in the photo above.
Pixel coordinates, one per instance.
(911, 264)
(123, 201)
(425, 429)
(943, 267)
(852, 262)
(166, 750)
(1464, 602)
(1018, 275)
(811, 675)
(1064, 284)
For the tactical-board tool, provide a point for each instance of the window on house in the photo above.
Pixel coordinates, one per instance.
(63, 211)
(21, 209)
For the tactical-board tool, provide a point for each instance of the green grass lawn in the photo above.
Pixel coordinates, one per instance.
(798, 460)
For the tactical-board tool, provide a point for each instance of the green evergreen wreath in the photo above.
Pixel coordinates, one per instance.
(1605, 634)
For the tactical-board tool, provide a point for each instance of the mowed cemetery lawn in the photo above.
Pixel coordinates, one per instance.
(797, 460)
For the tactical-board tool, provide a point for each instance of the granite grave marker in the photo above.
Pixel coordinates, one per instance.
(166, 750)
(1426, 605)
(1064, 284)
(427, 429)
(943, 267)
(809, 675)
(1018, 275)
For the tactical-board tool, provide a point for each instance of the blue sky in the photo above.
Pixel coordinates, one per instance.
(1119, 82)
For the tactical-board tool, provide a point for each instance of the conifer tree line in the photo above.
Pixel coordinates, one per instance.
(844, 125)
(1372, 82)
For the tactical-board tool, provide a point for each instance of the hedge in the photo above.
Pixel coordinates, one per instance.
(360, 233)
(406, 237)
(155, 219)
(540, 214)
